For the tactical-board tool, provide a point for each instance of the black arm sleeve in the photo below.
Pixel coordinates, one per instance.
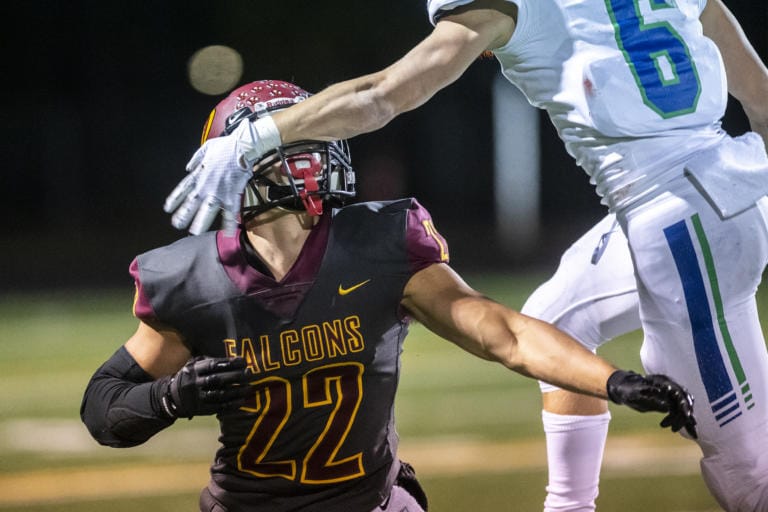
(121, 405)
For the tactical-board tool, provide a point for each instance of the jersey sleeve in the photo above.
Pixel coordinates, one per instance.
(424, 244)
(142, 309)
(437, 8)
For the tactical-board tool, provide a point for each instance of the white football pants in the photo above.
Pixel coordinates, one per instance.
(697, 276)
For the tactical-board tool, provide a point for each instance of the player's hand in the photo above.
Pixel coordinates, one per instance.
(654, 393)
(217, 178)
(205, 386)
(218, 174)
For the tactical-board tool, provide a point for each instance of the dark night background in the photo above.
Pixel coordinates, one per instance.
(99, 121)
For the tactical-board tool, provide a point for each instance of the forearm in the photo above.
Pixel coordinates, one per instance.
(539, 350)
(120, 405)
(340, 111)
(523, 344)
(550, 355)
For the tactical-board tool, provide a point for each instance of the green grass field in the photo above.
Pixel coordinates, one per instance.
(471, 428)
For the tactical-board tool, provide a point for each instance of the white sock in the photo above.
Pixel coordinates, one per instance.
(575, 447)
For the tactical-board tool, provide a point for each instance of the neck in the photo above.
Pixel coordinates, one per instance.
(278, 236)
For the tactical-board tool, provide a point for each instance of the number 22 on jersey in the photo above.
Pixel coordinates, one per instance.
(337, 387)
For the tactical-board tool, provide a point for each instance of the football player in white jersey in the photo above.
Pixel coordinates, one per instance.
(636, 90)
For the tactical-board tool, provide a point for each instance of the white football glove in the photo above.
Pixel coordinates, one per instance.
(218, 174)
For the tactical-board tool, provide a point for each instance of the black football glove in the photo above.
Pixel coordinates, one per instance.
(654, 393)
(205, 386)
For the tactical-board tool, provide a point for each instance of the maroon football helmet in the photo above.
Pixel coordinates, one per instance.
(314, 171)
(250, 101)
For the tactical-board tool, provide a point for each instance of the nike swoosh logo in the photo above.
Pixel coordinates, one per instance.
(345, 291)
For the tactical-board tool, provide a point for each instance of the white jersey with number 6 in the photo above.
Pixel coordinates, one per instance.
(632, 86)
(636, 92)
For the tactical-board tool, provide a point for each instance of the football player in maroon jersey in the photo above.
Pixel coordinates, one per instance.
(290, 326)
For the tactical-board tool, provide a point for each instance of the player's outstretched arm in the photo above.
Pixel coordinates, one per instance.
(219, 170)
(146, 385)
(444, 303)
(367, 103)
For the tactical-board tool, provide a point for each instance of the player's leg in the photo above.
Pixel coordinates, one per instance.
(592, 297)
(698, 275)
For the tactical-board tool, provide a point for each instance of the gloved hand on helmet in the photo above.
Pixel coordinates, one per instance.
(218, 173)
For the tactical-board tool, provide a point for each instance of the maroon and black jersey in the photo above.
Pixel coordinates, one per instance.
(323, 346)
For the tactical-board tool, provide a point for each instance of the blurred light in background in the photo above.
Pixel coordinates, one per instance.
(215, 69)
